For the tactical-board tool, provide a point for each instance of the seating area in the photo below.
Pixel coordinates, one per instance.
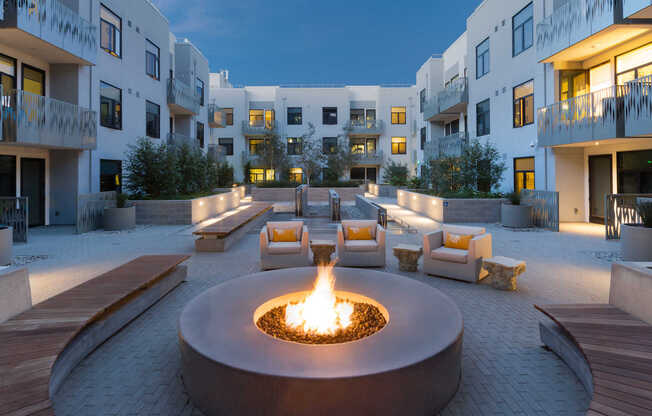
(284, 244)
(361, 243)
(39, 347)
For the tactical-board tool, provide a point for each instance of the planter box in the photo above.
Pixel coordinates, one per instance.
(631, 289)
(451, 210)
(383, 190)
(116, 219)
(315, 194)
(6, 245)
(516, 216)
(273, 194)
(636, 242)
(185, 211)
(15, 293)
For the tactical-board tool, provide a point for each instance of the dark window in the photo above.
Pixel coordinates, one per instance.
(153, 120)
(295, 145)
(110, 106)
(522, 30)
(399, 145)
(523, 173)
(229, 116)
(482, 118)
(226, 143)
(152, 60)
(329, 145)
(422, 99)
(452, 128)
(7, 175)
(357, 116)
(482, 59)
(295, 116)
(524, 104)
(398, 115)
(329, 115)
(110, 175)
(200, 134)
(200, 90)
(110, 32)
(423, 137)
(635, 172)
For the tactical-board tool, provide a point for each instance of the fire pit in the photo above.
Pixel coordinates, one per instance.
(283, 343)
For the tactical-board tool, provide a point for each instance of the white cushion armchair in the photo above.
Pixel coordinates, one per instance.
(456, 263)
(361, 253)
(277, 255)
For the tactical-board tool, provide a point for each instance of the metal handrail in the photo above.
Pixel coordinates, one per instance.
(182, 94)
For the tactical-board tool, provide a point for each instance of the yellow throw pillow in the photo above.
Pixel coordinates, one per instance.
(359, 233)
(284, 235)
(458, 241)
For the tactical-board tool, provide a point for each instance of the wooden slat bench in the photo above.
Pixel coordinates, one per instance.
(39, 347)
(224, 233)
(617, 348)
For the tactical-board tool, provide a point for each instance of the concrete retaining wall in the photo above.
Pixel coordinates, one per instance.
(346, 194)
(241, 189)
(451, 210)
(314, 194)
(187, 211)
(368, 210)
(273, 194)
(383, 190)
(15, 292)
(631, 289)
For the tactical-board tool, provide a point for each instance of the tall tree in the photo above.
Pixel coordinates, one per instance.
(311, 159)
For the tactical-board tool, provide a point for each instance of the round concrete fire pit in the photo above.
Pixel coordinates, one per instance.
(410, 367)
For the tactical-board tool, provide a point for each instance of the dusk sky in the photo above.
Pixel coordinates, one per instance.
(307, 41)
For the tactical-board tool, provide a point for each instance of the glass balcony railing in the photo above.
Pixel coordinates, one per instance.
(258, 127)
(182, 99)
(34, 120)
(216, 116)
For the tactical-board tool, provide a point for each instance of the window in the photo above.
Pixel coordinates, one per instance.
(357, 117)
(33, 80)
(261, 175)
(399, 145)
(634, 64)
(422, 99)
(482, 59)
(7, 73)
(329, 145)
(256, 146)
(423, 138)
(296, 175)
(398, 115)
(110, 175)
(572, 84)
(110, 32)
(524, 104)
(229, 116)
(226, 143)
(152, 60)
(371, 114)
(7, 175)
(256, 117)
(199, 86)
(635, 172)
(295, 116)
(522, 30)
(110, 106)
(523, 173)
(153, 120)
(452, 128)
(295, 146)
(329, 115)
(482, 118)
(200, 134)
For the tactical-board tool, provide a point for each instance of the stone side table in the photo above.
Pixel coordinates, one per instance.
(321, 251)
(408, 257)
(503, 272)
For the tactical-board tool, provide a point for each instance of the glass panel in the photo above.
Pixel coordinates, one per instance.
(525, 163)
(7, 175)
(579, 85)
(33, 81)
(7, 65)
(518, 40)
(644, 71)
(524, 89)
(371, 115)
(529, 180)
(529, 110)
(110, 175)
(626, 77)
(528, 34)
(519, 179)
(269, 175)
(371, 146)
(109, 16)
(635, 58)
(600, 77)
(256, 115)
(635, 172)
(357, 116)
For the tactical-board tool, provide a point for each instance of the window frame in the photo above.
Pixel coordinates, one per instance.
(323, 145)
(227, 114)
(296, 146)
(398, 113)
(115, 42)
(423, 137)
(478, 75)
(422, 99)
(203, 90)
(522, 101)
(533, 171)
(35, 69)
(487, 123)
(203, 133)
(400, 150)
(324, 111)
(227, 146)
(15, 76)
(157, 75)
(118, 187)
(635, 69)
(158, 116)
(113, 127)
(522, 25)
(300, 118)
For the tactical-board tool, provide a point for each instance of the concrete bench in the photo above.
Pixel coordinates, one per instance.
(39, 347)
(223, 234)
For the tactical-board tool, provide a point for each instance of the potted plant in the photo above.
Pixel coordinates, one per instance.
(122, 217)
(636, 239)
(6, 242)
(513, 214)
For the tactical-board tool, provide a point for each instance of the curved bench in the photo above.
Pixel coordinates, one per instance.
(616, 350)
(39, 347)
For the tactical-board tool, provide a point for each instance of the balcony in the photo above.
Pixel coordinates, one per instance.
(258, 127)
(33, 120)
(580, 29)
(217, 153)
(637, 9)
(449, 103)
(216, 116)
(369, 158)
(182, 98)
(365, 127)
(446, 146)
(178, 139)
(50, 30)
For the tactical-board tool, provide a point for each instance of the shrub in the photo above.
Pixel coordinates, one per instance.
(417, 183)
(121, 200)
(514, 197)
(396, 174)
(644, 209)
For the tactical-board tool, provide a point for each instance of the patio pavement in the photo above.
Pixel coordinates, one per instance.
(505, 370)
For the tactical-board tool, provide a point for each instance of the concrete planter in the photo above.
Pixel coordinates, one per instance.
(6, 243)
(119, 218)
(185, 211)
(451, 210)
(636, 242)
(516, 216)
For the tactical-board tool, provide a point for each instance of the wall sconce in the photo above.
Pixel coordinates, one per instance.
(221, 198)
(434, 202)
(201, 203)
(414, 197)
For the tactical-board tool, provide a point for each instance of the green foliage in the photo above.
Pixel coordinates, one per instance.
(246, 167)
(121, 200)
(224, 175)
(340, 161)
(445, 175)
(417, 183)
(337, 184)
(276, 184)
(514, 197)
(312, 158)
(463, 194)
(644, 209)
(396, 174)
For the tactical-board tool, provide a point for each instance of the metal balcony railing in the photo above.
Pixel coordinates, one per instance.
(446, 146)
(365, 126)
(53, 22)
(216, 116)
(182, 98)
(34, 120)
(258, 127)
(450, 101)
(178, 139)
(368, 157)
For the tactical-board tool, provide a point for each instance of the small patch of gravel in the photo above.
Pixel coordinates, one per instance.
(25, 260)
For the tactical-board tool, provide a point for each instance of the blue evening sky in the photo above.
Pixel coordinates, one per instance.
(308, 41)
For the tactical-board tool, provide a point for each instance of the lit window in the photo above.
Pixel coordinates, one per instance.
(398, 115)
(523, 173)
(152, 60)
(110, 32)
(522, 30)
(296, 175)
(524, 104)
(634, 64)
(229, 116)
(482, 59)
(256, 175)
(399, 145)
(295, 146)
(269, 175)
(256, 146)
